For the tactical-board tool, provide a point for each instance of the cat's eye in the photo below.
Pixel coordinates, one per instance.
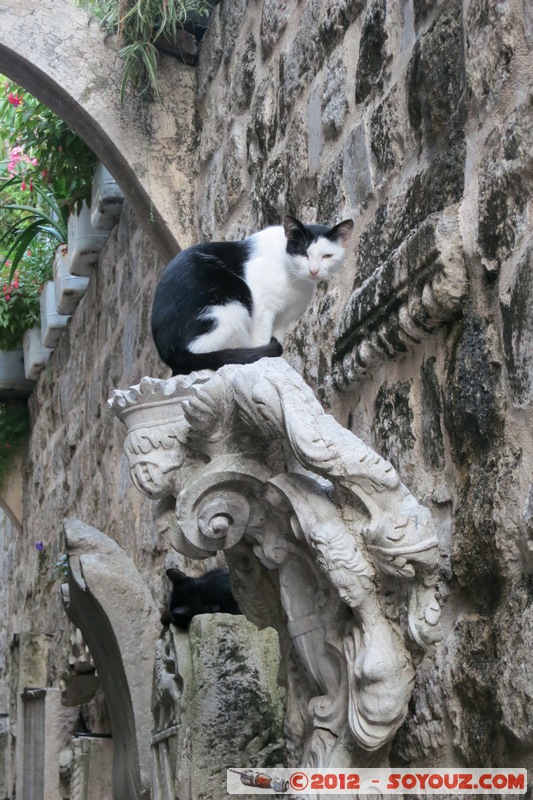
(328, 255)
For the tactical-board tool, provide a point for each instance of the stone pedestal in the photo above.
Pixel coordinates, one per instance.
(323, 541)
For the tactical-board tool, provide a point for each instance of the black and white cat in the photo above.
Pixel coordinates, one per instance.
(208, 594)
(232, 302)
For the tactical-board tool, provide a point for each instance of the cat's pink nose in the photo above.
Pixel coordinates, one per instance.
(313, 271)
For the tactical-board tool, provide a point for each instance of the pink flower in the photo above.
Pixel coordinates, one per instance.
(23, 186)
(14, 99)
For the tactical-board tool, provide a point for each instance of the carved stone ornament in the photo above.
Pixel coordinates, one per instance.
(323, 541)
(422, 285)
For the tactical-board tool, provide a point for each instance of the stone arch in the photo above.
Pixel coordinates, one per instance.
(52, 49)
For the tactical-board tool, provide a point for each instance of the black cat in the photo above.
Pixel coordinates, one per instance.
(232, 302)
(209, 594)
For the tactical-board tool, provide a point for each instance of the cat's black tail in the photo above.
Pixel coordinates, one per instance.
(183, 362)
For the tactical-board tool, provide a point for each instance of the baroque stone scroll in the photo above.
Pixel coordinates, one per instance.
(323, 541)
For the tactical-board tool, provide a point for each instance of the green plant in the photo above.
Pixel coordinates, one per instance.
(20, 293)
(14, 430)
(26, 225)
(60, 568)
(138, 25)
(41, 149)
(45, 171)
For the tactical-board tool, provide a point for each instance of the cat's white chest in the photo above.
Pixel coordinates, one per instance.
(278, 297)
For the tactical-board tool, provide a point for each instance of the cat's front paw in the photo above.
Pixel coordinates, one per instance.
(275, 348)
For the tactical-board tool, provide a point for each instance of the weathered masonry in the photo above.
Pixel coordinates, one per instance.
(415, 119)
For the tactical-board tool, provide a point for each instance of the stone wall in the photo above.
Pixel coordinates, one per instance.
(415, 119)
(73, 465)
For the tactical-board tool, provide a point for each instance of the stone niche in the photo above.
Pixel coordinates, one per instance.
(323, 542)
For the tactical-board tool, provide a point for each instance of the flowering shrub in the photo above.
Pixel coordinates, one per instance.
(20, 295)
(45, 170)
(41, 149)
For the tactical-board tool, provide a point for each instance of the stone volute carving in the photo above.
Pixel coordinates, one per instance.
(322, 540)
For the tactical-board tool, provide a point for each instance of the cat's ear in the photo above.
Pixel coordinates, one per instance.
(176, 576)
(341, 232)
(293, 228)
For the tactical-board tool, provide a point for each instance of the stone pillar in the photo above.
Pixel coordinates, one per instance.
(91, 769)
(5, 745)
(43, 728)
(216, 704)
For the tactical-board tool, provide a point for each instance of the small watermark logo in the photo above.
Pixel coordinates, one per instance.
(377, 782)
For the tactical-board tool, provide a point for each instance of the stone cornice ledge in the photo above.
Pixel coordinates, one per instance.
(422, 285)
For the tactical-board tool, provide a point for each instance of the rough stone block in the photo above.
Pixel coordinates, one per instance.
(436, 80)
(242, 76)
(474, 399)
(430, 191)
(211, 51)
(330, 196)
(275, 14)
(372, 54)
(471, 669)
(215, 126)
(394, 423)
(304, 59)
(390, 134)
(231, 184)
(506, 185)
(356, 174)
(514, 674)
(337, 16)
(431, 415)
(5, 756)
(315, 128)
(301, 183)
(233, 16)
(262, 122)
(490, 44)
(334, 102)
(423, 8)
(270, 193)
(233, 710)
(517, 314)
(33, 649)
